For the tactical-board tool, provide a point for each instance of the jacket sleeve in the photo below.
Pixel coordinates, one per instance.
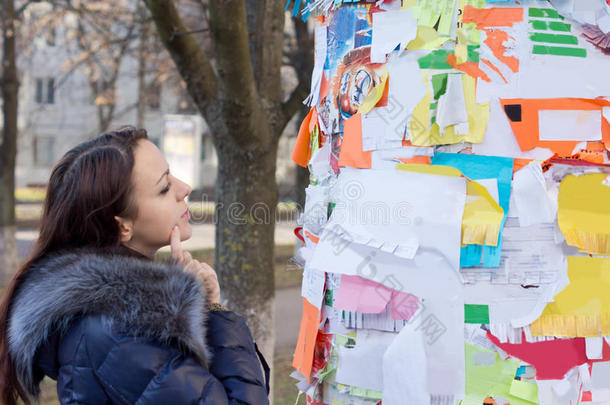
(235, 361)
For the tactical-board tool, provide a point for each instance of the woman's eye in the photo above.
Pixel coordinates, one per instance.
(166, 189)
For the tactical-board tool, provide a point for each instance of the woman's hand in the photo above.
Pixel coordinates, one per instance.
(203, 272)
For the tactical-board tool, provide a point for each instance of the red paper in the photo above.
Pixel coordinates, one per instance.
(552, 359)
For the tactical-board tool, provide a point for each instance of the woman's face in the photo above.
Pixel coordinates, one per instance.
(160, 201)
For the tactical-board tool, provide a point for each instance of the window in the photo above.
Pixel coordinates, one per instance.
(45, 91)
(43, 150)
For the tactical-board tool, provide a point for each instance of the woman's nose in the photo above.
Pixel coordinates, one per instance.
(185, 190)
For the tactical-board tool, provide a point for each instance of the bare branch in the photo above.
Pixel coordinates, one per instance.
(192, 63)
(302, 61)
(239, 97)
(269, 48)
(175, 34)
(294, 102)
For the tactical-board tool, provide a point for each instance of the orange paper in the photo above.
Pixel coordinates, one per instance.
(495, 41)
(594, 153)
(492, 17)
(518, 164)
(524, 122)
(470, 68)
(491, 20)
(351, 148)
(315, 239)
(421, 160)
(302, 149)
(488, 63)
(303, 353)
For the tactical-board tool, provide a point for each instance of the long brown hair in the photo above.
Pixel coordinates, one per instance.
(89, 186)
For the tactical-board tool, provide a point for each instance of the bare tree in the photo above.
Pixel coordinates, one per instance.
(240, 96)
(104, 33)
(8, 148)
(109, 40)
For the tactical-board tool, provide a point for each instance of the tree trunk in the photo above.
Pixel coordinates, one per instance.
(302, 174)
(8, 253)
(246, 197)
(8, 147)
(142, 54)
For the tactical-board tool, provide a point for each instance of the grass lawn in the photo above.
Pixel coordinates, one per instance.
(284, 391)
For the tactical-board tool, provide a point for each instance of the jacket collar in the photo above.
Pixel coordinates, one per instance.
(151, 299)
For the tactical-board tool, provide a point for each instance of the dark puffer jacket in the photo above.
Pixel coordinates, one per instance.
(113, 329)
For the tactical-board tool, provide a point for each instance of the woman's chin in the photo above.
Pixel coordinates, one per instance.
(186, 232)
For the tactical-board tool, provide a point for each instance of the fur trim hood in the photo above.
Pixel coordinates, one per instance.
(151, 299)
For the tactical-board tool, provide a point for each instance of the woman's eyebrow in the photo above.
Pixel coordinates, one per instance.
(163, 175)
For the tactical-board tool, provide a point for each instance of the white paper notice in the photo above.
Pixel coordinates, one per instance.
(400, 209)
(604, 23)
(320, 34)
(585, 11)
(312, 287)
(406, 88)
(452, 105)
(315, 214)
(373, 130)
(491, 185)
(390, 29)
(320, 162)
(568, 125)
(600, 374)
(594, 347)
(533, 203)
(429, 276)
(405, 360)
(530, 256)
(361, 365)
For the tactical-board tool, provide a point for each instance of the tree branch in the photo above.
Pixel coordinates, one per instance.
(294, 102)
(302, 60)
(239, 97)
(192, 63)
(268, 44)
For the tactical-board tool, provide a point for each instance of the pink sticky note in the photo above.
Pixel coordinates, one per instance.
(368, 297)
(348, 296)
(374, 298)
(362, 295)
(404, 305)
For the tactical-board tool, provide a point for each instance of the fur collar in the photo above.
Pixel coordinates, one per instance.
(151, 299)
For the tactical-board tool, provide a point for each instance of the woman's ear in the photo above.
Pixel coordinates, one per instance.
(125, 229)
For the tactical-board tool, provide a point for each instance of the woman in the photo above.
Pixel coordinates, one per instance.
(92, 310)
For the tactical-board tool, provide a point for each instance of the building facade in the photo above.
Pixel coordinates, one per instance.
(58, 107)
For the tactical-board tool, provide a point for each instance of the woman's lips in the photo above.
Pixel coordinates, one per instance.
(186, 214)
